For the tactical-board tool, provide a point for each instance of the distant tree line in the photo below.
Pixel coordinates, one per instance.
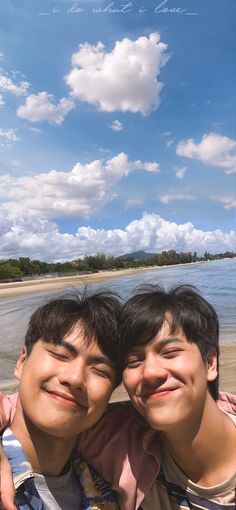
(17, 269)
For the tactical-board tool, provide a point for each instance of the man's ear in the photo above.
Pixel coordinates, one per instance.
(212, 368)
(20, 363)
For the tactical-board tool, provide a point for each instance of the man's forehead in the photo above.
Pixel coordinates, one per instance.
(167, 333)
(81, 336)
(167, 330)
(163, 336)
(77, 338)
(79, 341)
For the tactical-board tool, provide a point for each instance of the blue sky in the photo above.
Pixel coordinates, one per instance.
(117, 128)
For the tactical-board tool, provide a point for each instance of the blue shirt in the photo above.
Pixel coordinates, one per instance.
(96, 493)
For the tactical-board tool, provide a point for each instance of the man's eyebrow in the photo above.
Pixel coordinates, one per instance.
(68, 346)
(96, 359)
(169, 340)
(160, 344)
(101, 359)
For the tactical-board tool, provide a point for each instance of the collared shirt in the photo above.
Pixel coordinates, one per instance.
(95, 491)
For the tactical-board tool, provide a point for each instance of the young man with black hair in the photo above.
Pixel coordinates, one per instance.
(183, 454)
(176, 449)
(67, 371)
(170, 355)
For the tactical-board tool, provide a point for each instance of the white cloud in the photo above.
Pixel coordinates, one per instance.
(7, 85)
(124, 79)
(105, 151)
(169, 143)
(80, 192)
(35, 130)
(165, 133)
(37, 238)
(116, 125)
(213, 150)
(231, 205)
(228, 201)
(180, 171)
(133, 202)
(15, 162)
(40, 107)
(7, 136)
(2, 102)
(172, 197)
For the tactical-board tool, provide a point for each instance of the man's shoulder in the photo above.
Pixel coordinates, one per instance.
(7, 409)
(227, 402)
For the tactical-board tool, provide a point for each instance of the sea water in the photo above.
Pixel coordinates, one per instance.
(214, 279)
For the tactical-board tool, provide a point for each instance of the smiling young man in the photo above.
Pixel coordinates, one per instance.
(183, 454)
(176, 449)
(170, 346)
(66, 375)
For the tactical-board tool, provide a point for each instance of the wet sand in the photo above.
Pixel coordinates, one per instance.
(228, 367)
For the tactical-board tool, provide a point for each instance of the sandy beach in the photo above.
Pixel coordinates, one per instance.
(12, 289)
(227, 367)
(49, 284)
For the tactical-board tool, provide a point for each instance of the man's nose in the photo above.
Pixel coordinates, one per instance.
(153, 369)
(74, 374)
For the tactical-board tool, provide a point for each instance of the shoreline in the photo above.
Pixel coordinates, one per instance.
(36, 285)
(12, 289)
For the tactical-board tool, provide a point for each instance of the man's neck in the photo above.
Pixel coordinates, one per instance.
(47, 454)
(197, 449)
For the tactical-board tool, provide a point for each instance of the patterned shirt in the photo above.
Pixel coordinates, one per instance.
(96, 493)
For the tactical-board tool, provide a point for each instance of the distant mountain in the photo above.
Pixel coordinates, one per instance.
(138, 255)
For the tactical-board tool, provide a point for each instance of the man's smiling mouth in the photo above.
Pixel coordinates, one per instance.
(66, 399)
(157, 394)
